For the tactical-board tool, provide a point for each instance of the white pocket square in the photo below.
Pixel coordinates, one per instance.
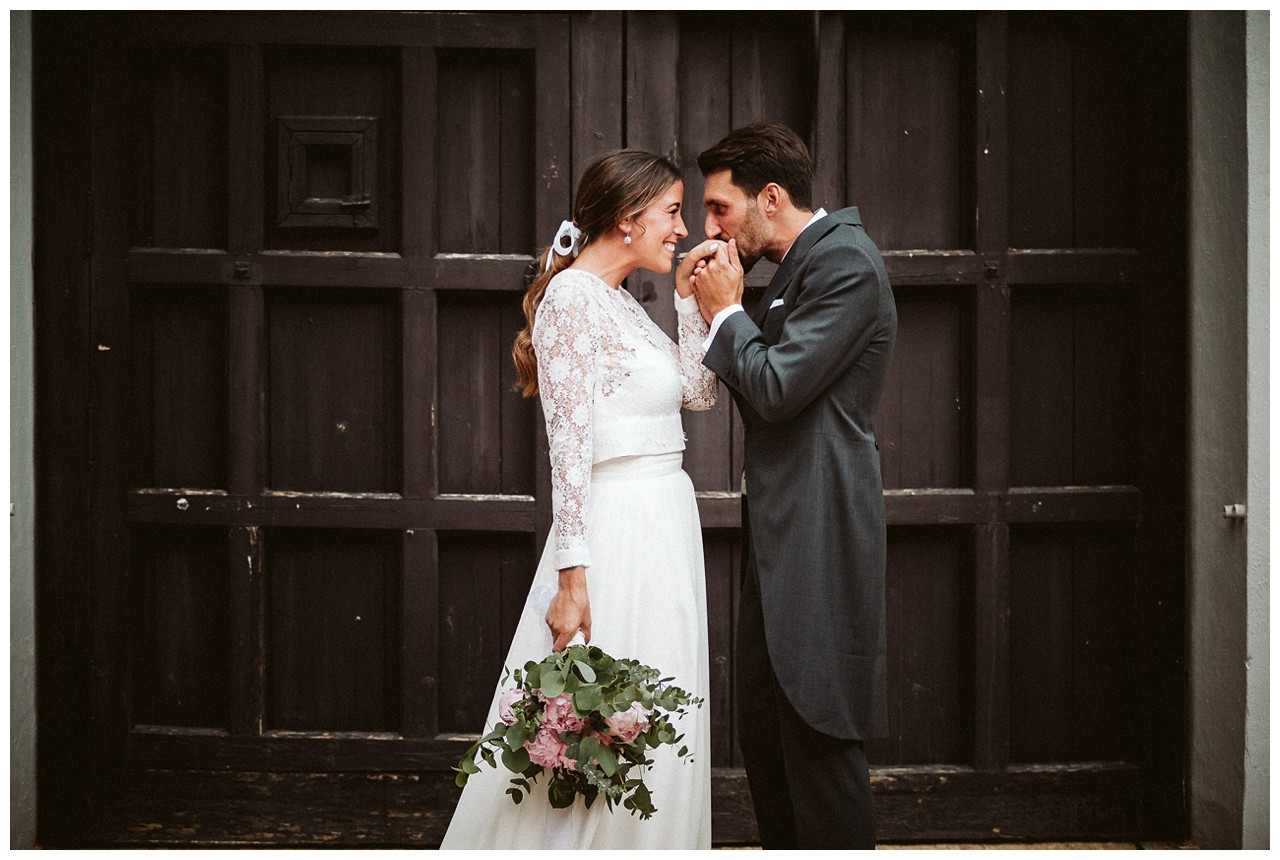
(776, 303)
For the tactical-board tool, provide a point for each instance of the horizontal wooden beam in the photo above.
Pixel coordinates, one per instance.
(461, 272)
(410, 804)
(460, 30)
(497, 513)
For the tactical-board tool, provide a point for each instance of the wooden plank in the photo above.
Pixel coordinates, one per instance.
(329, 510)
(1160, 551)
(245, 139)
(412, 29)
(596, 49)
(928, 616)
(334, 638)
(417, 392)
(830, 150)
(1041, 622)
(1041, 386)
(1040, 135)
(1106, 390)
(334, 367)
(517, 413)
(991, 649)
(181, 631)
(63, 229)
(248, 634)
(500, 272)
(703, 69)
(904, 127)
(418, 112)
(923, 414)
(419, 632)
(1104, 634)
(1099, 504)
(1085, 266)
(722, 571)
(506, 272)
(175, 808)
(181, 122)
(653, 124)
(109, 332)
(1109, 115)
(551, 132)
(247, 404)
(516, 158)
(469, 193)
(468, 408)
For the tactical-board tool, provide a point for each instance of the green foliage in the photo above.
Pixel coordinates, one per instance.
(599, 686)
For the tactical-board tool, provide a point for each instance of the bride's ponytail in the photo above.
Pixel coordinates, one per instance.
(522, 349)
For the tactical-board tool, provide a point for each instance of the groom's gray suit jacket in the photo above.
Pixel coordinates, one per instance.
(807, 371)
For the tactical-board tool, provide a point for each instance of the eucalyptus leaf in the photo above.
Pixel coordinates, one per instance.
(588, 674)
(516, 760)
(552, 684)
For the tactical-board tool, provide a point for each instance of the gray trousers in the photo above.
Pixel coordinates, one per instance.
(809, 790)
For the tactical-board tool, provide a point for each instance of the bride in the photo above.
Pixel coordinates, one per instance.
(623, 566)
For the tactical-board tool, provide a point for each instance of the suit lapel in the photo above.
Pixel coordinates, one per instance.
(778, 284)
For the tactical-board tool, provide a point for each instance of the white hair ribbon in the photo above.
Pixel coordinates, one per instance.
(565, 242)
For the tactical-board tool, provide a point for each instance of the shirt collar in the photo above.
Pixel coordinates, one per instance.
(821, 213)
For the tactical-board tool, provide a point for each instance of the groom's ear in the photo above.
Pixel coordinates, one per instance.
(772, 198)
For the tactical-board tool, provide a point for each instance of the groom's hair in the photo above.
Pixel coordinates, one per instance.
(762, 153)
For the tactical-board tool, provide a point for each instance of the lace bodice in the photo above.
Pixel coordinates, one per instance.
(612, 384)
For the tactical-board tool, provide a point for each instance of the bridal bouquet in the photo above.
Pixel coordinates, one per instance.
(587, 719)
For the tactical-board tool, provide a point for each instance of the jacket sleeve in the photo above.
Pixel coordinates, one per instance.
(832, 322)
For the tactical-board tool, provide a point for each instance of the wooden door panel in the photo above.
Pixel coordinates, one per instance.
(1074, 387)
(484, 152)
(1074, 126)
(484, 580)
(333, 628)
(1072, 637)
(929, 611)
(485, 426)
(927, 407)
(181, 663)
(178, 377)
(180, 151)
(334, 390)
(910, 115)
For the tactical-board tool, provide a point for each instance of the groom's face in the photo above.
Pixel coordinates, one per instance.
(733, 214)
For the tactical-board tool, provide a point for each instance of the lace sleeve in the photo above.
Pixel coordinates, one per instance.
(697, 382)
(566, 340)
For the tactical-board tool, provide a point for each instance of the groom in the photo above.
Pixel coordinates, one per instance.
(806, 369)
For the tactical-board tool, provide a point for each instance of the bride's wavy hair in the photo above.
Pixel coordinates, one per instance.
(616, 186)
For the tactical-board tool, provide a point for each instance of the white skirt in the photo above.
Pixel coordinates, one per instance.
(647, 588)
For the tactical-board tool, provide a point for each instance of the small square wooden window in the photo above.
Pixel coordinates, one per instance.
(327, 172)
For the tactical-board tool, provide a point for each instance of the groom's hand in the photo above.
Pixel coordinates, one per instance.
(693, 264)
(570, 610)
(721, 281)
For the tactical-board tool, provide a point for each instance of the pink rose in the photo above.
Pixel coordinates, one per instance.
(506, 705)
(546, 748)
(627, 725)
(558, 714)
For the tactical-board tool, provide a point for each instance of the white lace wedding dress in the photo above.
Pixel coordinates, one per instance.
(612, 384)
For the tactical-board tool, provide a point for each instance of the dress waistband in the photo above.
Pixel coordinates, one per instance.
(637, 466)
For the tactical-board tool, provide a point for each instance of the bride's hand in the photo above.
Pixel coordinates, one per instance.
(692, 264)
(570, 610)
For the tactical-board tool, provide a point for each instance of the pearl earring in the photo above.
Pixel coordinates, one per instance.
(626, 240)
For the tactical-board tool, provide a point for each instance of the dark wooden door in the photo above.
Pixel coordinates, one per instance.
(313, 503)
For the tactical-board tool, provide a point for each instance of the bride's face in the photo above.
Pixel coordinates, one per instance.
(657, 229)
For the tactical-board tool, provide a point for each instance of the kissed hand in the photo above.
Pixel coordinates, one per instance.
(718, 279)
(570, 610)
(694, 261)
